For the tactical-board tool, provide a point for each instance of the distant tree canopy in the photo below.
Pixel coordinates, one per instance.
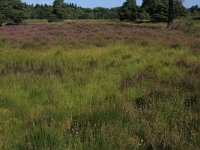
(151, 10)
(158, 9)
(58, 9)
(128, 11)
(194, 11)
(11, 12)
(61, 10)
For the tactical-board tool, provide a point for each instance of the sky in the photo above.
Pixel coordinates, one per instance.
(103, 3)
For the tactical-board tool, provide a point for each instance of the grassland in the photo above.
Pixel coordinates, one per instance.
(99, 85)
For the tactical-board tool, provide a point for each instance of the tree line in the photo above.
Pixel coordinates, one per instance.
(14, 11)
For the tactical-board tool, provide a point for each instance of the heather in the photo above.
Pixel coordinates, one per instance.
(99, 85)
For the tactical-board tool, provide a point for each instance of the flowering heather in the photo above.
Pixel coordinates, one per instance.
(78, 34)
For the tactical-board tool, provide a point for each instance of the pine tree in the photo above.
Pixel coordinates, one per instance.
(159, 9)
(11, 11)
(58, 9)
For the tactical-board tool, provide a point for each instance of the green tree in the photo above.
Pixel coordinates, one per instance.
(194, 12)
(159, 9)
(128, 11)
(58, 9)
(11, 11)
(156, 9)
(114, 13)
(179, 9)
(142, 15)
(174, 8)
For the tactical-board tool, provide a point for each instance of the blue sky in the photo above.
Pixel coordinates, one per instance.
(103, 3)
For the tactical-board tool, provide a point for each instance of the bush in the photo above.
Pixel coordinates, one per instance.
(11, 23)
(52, 18)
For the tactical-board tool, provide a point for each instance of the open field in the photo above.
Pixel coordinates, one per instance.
(99, 85)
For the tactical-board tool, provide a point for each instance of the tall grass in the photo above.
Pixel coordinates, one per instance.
(122, 95)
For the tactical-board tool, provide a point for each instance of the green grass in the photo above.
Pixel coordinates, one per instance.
(189, 26)
(119, 96)
(35, 21)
